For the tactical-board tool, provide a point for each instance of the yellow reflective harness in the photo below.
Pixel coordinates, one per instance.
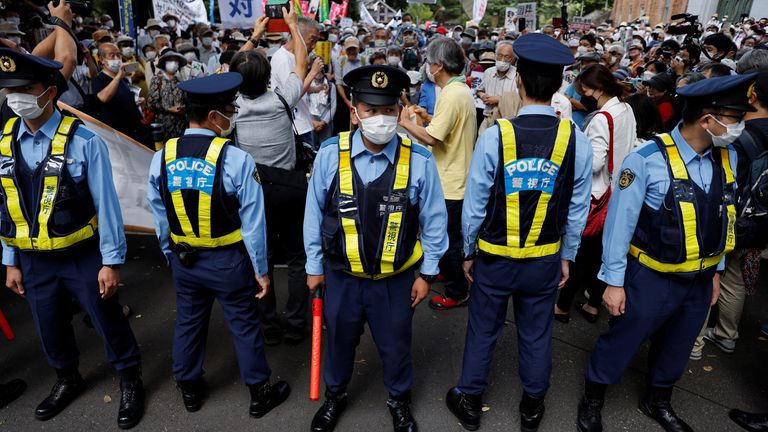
(394, 223)
(203, 239)
(55, 163)
(693, 260)
(514, 247)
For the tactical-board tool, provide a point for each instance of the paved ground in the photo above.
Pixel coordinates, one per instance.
(711, 386)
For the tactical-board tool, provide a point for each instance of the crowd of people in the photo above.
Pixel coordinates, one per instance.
(627, 162)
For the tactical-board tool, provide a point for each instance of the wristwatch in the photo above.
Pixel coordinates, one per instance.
(254, 42)
(428, 278)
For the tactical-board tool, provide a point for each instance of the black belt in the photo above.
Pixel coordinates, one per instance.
(188, 255)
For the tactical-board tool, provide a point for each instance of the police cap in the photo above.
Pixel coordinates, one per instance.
(377, 84)
(20, 69)
(729, 92)
(541, 53)
(217, 89)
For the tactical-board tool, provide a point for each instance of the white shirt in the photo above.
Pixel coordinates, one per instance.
(283, 63)
(495, 85)
(624, 136)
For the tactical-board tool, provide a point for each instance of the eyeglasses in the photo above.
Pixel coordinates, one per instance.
(738, 117)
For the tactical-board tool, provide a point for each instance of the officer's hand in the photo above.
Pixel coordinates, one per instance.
(715, 289)
(614, 300)
(263, 286)
(109, 278)
(419, 291)
(13, 280)
(469, 268)
(314, 282)
(566, 268)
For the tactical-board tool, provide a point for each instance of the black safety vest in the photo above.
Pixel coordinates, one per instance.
(371, 231)
(43, 208)
(692, 229)
(527, 210)
(200, 212)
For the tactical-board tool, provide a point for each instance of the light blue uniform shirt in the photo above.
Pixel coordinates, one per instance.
(237, 178)
(482, 175)
(424, 188)
(87, 157)
(649, 187)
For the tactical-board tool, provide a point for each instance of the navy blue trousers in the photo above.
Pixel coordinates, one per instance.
(667, 309)
(350, 302)
(51, 280)
(532, 285)
(225, 275)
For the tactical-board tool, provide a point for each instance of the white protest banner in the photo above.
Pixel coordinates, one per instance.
(188, 11)
(527, 11)
(509, 18)
(365, 15)
(239, 13)
(130, 171)
(478, 10)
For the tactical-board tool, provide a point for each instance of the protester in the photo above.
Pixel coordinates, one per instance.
(117, 103)
(451, 134)
(165, 99)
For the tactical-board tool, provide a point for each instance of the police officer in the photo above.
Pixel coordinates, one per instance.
(375, 209)
(670, 221)
(209, 217)
(62, 232)
(525, 207)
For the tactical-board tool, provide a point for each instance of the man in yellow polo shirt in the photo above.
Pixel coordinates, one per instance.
(451, 133)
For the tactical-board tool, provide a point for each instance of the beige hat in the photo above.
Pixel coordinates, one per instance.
(153, 22)
(351, 42)
(98, 35)
(238, 37)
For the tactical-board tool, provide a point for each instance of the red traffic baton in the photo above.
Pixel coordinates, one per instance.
(317, 335)
(7, 330)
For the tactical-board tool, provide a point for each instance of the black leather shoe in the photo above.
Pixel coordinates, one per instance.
(467, 408)
(295, 336)
(266, 396)
(63, 392)
(131, 403)
(326, 417)
(590, 417)
(657, 405)
(753, 422)
(531, 413)
(191, 394)
(400, 409)
(11, 391)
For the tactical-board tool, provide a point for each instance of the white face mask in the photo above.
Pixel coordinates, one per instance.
(151, 55)
(172, 23)
(430, 75)
(25, 105)
(494, 38)
(171, 66)
(225, 132)
(332, 38)
(153, 33)
(379, 129)
(114, 65)
(207, 41)
(648, 75)
(127, 51)
(109, 24)
(732, 132)
(190, 56)
(393, 61)
(502, 66)
(581, 50)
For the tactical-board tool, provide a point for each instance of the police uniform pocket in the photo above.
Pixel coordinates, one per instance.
(76, 169)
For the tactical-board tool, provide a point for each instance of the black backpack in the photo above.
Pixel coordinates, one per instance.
(752, 203)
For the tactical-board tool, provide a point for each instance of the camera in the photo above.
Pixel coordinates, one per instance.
(689, 26)
(79, 7)
(275, 10)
